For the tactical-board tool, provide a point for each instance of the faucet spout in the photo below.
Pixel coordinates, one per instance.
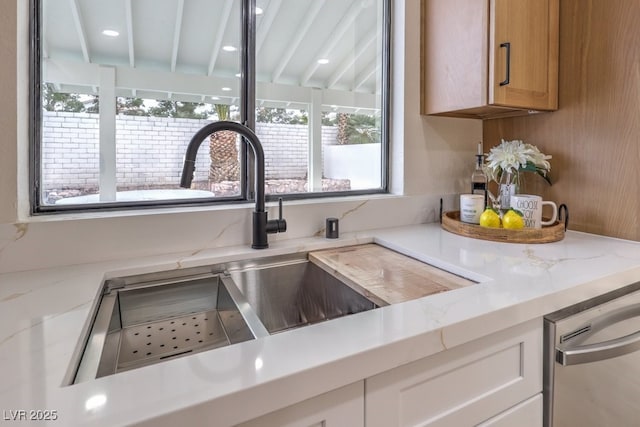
(261, 225)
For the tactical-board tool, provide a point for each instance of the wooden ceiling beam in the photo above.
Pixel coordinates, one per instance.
(295, 41)
(335, 37)
(222, 28)
(266, 22)
(177, 30)
(129, 18)
(82, 36)
(350, 60)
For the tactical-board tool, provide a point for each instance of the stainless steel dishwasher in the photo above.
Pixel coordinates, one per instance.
(592, 362)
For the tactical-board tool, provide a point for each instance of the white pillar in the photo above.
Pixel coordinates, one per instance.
(315, 141)
(107, 134)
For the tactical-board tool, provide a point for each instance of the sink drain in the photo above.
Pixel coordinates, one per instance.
(146, 343)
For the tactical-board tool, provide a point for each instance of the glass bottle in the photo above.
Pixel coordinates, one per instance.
(479, 180)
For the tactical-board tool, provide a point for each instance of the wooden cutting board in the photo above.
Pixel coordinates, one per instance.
(385, 276)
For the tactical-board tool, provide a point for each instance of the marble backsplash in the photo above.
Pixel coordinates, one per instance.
(84, 238)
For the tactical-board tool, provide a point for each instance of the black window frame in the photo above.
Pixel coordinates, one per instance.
(247, 104)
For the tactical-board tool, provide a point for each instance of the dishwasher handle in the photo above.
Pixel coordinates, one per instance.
(575, 355)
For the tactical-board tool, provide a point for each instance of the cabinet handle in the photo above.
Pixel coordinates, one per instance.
(507, 45)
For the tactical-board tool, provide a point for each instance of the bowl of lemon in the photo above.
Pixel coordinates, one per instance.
(508, 228)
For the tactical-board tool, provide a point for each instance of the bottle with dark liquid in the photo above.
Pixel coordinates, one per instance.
(479, 181)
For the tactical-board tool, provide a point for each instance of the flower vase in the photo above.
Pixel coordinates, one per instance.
(509, 185)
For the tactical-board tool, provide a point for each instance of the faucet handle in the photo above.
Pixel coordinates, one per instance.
(277, 225)
(282, 223)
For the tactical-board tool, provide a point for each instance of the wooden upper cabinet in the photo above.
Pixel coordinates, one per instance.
(489, 58)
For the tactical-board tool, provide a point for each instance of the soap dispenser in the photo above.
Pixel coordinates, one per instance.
(479, 181)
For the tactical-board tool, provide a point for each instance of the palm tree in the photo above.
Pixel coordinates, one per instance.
(362, 129)
(343, 124)
(223, 151)
(357, 129)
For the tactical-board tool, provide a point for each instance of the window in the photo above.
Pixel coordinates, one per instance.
(122, 86)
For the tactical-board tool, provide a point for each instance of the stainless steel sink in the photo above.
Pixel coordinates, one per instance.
(147, 319)
(290, 292)
(150, 318)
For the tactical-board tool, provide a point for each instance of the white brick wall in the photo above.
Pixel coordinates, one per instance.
(150, 150)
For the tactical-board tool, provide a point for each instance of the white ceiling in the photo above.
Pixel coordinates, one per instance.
(173, 48)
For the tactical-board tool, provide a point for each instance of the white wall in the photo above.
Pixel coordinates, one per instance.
(354, 162)
(430, 157)
(438, 153)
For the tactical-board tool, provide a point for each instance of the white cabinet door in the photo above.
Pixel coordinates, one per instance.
(462, 386)
(525, 414)
(343, 407)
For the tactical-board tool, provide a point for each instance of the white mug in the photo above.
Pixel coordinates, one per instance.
(531, 207)
(471, 207)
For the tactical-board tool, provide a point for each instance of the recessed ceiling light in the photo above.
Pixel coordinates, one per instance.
(323, 61)
(229, 48)
(110, 33)
(238, 75)
(259, 11)
(226, 89)
(215, 98)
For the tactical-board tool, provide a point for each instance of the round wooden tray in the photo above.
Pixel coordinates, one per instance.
(552, 233)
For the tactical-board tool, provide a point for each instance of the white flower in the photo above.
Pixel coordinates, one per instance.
(538, 159)
(511, 156)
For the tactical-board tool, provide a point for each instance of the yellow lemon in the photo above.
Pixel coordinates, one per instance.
(513, 220)
(490, 218)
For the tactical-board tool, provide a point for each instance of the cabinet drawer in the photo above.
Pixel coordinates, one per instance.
(465, 385)
(337, 408)
(525, 414)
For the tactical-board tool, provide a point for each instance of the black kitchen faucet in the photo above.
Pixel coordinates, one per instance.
(261, 225)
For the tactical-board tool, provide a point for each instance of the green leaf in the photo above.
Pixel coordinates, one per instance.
(531, 167)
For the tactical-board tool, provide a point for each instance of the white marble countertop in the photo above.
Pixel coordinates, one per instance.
(43, 314)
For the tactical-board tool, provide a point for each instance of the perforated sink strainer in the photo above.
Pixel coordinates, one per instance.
(143, 344)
